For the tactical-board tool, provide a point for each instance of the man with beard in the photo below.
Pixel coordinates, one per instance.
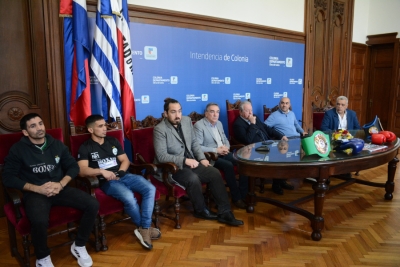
(175, 141)
(41, 167)
(103, 156)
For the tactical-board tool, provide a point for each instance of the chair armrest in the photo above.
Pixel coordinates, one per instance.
(211, 156)
(137, 168)
(90, 183)
(236, 147)
(14, 195)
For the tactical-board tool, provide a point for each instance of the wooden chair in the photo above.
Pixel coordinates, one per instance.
(318, 115)
(15, 211)
(108, 204)
(195, 116)
(143, 152)
(232, 111)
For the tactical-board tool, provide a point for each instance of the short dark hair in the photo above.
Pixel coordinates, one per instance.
(27, 117)
(168, 101)
(92, 119)
(211, 104)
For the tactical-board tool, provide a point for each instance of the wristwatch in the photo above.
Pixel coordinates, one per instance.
(318, 143)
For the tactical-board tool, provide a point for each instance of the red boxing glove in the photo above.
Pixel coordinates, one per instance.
(390, 136)
(378, 139)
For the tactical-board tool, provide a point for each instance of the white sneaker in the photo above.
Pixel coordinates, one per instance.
(45, 262)
(80, 253)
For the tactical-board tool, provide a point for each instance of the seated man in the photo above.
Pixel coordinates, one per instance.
(103, 156)
(284, 120)
(41, 167)
(248, 129)
(211, 137)
(175, 141)
(340, 118)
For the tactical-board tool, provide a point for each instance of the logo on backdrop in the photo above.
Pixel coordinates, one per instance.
(145, 99)
(193, 98)
(174, 79)
(237, 96)
(204, 97)
(247, 96)
(294, 81)
(289, 62)
(280, 95)
(161, 80)
(262, 81)
(150, 52)
(217, 80)
(275, 62)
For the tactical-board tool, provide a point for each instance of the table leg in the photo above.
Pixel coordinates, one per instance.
(251, 196)
(317, 222)
(389, 186)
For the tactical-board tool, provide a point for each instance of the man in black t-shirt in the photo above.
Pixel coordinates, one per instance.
(103, 156)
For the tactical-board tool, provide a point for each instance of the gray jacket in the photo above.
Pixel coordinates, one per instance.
(206, 137)
(168, 145)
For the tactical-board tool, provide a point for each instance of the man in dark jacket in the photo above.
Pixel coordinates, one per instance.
(41, 167)
(249, 129)
(340, 117)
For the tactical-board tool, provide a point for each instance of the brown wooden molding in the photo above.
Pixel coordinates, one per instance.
(381, 38)
(164, 17)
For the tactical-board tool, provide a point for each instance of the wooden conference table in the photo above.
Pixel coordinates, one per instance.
(283, 162)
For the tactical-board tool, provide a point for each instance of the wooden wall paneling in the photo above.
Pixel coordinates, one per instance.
(23, 65)
(394, 124)
(328, 51)
(383, 79)
(358, 89)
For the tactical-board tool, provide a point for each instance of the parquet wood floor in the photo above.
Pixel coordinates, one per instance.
(361, 229)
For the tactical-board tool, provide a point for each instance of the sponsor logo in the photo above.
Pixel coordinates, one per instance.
(150, 52)
(95, 155)
(279, 95)
(227, 80)
(43, 168)
(193, 98)
(145, 99)
(204, 97)
(247, 96)
(114, 150)
(237, 96)
(174, 79)
(269, 80)
(57, 159)
(275, 62)
(284, 94)
(295, 81)
(289, 62)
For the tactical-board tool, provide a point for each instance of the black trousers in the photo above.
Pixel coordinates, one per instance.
(226, 164)
(38, 207)
(192, 180)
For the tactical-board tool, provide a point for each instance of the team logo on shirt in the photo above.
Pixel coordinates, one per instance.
(57, 158)
(114, 150)
(95, 155)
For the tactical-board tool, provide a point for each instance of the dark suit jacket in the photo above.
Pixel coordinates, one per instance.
(331, 120)
(252, 133)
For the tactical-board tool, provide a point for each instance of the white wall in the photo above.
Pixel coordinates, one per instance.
(384, 16)
(287, 14)
(284, 14)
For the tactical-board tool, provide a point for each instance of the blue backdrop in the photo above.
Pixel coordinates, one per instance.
(197, 67)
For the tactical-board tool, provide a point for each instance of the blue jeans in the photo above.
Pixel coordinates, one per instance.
(123, 189)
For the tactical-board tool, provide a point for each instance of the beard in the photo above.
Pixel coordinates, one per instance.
(175, 122)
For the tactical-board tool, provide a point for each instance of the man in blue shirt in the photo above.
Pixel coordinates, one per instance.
(284, 121)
